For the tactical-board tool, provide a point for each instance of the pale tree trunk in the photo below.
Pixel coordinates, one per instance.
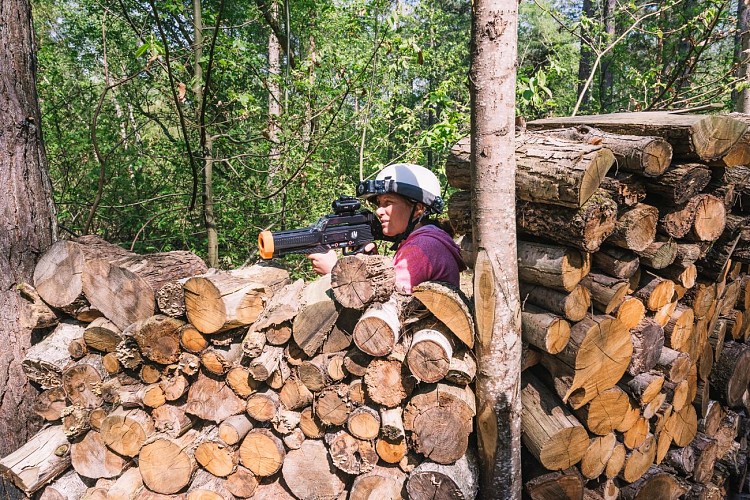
(496, 295)
(27, 217)
(274, 98)
(206, 144)
(584, 63)
(610, 27)
(742, 44)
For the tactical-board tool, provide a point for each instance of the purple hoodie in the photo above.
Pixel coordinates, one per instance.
(428, 254)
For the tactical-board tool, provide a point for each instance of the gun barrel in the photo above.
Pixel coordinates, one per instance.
(283, 242)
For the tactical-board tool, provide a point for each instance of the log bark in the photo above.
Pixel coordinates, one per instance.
(701, 218)
(584, 228)
(41, 459)
(544, 330)
(616, 262)
(430, 480)
(693, 137)
(730, 376)
(680, 182)
(44, 362)
(607, 293)
(551, 266)
(635, 228)
(316, 317)
(648, 339)
(572, 306)
(358, 280)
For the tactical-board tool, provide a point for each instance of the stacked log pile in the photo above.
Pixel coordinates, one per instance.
(635, 287)
(203, 384)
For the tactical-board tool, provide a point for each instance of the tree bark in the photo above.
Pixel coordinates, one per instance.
(492, 77)
(27, 214)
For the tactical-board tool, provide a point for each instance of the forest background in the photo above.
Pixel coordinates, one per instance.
(197, 124)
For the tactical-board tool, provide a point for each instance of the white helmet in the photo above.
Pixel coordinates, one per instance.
(407, 179)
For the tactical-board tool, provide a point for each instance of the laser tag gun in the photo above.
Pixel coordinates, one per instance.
(347, 228)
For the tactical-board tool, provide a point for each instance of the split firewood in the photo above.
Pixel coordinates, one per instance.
(648, 339)
(213, 400)
(358, 280)
(638, 461)
(551, 266)
(35, 313)
(309, 473)
(635, 229)
(316, 317)
(597, 455)
(605, 412)
(433, 480)
(167, 464)
(552, 434)
(692, 136)
(90, 457)
(630, 312)
(41, 459)
(674, 365)
(655, 483)
(44, 362)
(69, 485)
(222, 300)
(450, 306)
(572, 306)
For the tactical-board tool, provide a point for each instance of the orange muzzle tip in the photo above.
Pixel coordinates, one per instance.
(265, 244)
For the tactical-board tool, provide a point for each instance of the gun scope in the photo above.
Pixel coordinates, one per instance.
(346, 204)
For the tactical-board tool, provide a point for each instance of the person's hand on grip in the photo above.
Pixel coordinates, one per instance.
(323, 262)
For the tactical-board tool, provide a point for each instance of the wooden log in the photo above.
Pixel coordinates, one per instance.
(215, 457)
(693, 137)
(701, 298)
(643, 387)
(333, 406)
(648, 156)
(206, 486)
(309, 473)
(44, 362)
(701, 218)
(172, 420)
(551, 266)
(42, 458)
(615, 261)
(158, 338)
(572, 306)
(713, 264)
(35, 313)
(430, 353)
(682, 275)
(242, 483)
(358, 280)
(680, 182)
(674, 365)
(68, 486)
(363, 422)
(262, 452)
(234, 429)
(584, 228)
(454, 408)
(552, 434)
(599, 351)
(102, 335)
(81, 381)
(49, 403)
(213, 400)
(597, 455)
(605, 412)
(349, 454)
(316, 317)
(264, 405)
(320, 371)
(659, 254)
(635, 228)
(264, 365)
(91, 458)
(388, 382)
(616, 461)
(656, 482)
(639, 460)
(630, 312)
(648, 339)
(125, 431)
(381, 482)
(541, 484)
(450, 306)
(607, 293)
(655, 292)
(170, 297)
(463, 368)
(682, 425)
(459, 480)
(729, 378)
(167, 465)
(549, 170)
(379, 328)
(543, 329)
(223, 300)
(626, 189)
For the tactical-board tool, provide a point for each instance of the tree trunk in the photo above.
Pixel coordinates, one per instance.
(26, 213)
(742, 44)
(493, 41)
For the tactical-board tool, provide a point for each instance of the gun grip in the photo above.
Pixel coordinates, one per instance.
(265, 244)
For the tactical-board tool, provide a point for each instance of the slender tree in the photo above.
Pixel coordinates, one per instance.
(742, 55)
(496, 296)
(26, 216)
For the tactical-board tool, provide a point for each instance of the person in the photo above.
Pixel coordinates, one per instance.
(405, 196)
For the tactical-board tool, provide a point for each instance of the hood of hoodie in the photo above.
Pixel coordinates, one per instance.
(444, 238)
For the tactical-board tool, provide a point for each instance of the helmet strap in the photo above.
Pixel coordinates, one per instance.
(409, 227)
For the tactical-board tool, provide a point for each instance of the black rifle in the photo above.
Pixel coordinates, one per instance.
(347, 228)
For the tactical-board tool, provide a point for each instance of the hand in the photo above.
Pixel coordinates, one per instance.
(323, 262)
(370, 249)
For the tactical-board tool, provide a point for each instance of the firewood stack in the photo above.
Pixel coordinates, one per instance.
(161, 377)
(633, 254)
